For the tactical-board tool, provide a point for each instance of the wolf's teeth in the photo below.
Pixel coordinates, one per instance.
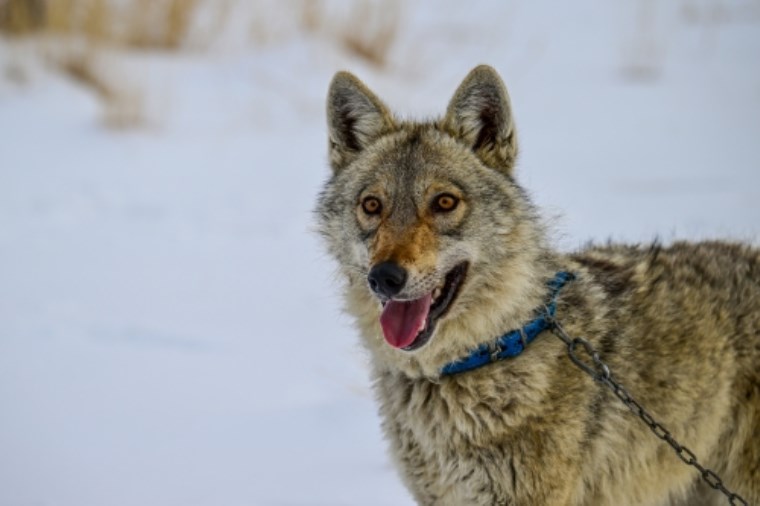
(436, 293)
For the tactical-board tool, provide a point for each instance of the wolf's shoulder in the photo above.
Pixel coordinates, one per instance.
(707, 270)
(712, 257)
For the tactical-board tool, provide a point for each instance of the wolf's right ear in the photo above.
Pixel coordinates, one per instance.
(355, 118)
(480, 115)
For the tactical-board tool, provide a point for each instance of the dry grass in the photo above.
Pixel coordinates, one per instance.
(122, 106)
(159, 24)
(371, 30)
(77, 37)
(82, 68)
(89, 33)
(18, 17)
(142, 24)
(367, 28)
(312, 14)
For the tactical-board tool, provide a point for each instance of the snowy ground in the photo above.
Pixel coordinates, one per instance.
(170, 331)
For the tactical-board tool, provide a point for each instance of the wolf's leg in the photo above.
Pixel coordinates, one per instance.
(417, 470)
(739, 449)
(496, 476)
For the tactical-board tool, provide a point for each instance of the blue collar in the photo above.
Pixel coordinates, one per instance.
(514, 342)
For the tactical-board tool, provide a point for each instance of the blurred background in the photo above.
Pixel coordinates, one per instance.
(170, 326)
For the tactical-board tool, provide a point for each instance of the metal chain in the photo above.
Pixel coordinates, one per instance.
(601, 373)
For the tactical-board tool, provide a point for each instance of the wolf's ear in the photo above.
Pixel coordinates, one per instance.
(480, 115)
(355, 118)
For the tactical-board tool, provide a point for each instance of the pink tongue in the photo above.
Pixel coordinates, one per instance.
(401, 320)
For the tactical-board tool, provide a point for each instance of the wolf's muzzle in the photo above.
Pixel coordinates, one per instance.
(387, 279)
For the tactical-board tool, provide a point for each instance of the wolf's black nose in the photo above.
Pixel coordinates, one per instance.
(387, 278)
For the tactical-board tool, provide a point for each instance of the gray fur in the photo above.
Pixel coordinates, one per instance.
(679, 325)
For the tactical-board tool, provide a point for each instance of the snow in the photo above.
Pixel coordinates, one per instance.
(170, 325)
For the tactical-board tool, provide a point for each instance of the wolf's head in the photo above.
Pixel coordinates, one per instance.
(438, 244)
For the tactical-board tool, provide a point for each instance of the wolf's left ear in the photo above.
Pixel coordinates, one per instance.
(480, 115)
(355, 118)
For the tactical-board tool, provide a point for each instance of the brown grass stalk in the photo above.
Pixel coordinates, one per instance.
(122, 106)
(144, 24)
(371, 30)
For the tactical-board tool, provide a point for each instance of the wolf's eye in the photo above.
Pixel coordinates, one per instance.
(371, 205)
(444, 203)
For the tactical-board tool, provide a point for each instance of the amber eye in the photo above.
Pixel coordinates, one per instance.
(371, 205)
(445, 202)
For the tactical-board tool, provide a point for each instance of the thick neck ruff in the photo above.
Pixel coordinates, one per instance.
(515, 341)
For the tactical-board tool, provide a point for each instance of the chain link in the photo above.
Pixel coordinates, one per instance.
(598, 370)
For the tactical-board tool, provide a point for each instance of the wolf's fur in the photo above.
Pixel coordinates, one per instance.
(679, 325)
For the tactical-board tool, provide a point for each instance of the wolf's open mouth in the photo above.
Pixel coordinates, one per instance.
(409, 324)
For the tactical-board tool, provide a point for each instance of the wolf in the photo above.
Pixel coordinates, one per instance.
(442, 252)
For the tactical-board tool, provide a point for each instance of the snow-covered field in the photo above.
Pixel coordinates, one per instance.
(170, 326)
